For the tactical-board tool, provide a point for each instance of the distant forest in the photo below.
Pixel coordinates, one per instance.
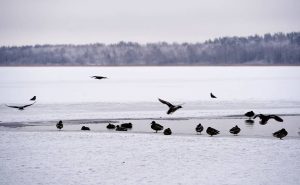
(269, 49)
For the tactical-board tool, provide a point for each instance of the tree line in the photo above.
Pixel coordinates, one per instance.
(269, 49)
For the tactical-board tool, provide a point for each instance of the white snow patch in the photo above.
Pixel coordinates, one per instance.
(60, 157)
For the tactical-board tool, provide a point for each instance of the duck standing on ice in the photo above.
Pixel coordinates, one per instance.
(235, 130)
(59, 125)
(280, 133)
(155, 126)
(211, 131)
(199, 128)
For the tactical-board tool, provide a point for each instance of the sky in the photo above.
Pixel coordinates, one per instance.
(29, 22)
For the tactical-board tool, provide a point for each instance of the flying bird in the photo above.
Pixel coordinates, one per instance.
(33, 98)
(172, 108)
(211, 131)
(280, 133)
(20, 107)
(99, 77)
(155, 126)
(212, 96)
(265, 118)
(235, 130)
(199, 128)
(59, 125)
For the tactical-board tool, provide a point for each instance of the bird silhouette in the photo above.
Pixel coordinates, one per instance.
(99, 77)
(211, 131)
(249, 114)
(199, 128)
(110, 126)
(155, 126)
(212, 96)
(118, 128)
(85, 128)
(126, 125)
(33, 98)
(280, 133)
(235, 130)
(167, 131)
(172, 108)
(59, 125)
(265, 118)
(20, 107)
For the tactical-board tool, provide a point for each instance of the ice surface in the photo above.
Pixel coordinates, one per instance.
(132, 92)
(29, 158)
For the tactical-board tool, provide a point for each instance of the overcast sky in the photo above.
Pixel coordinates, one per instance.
(25, 22)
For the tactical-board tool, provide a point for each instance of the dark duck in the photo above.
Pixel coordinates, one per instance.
(85, 128)
(172, 108)
(59, 125)
(118, 128)
(127, 125)
(110, 126)
(280, 133)
(265, 118)
(235, 130)
(199, 128)
(155, 126)
(167, 131)
(211, 131)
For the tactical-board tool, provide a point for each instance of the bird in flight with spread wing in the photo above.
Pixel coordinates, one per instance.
(172, 108)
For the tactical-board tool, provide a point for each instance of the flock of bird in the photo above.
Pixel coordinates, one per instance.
(171, 109)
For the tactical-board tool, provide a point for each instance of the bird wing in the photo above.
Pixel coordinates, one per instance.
(28, 105)
(13, 106)
(277, 118)
(165, 102)
(98, 77)
(257, 115)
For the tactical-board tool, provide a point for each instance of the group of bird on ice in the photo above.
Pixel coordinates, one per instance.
(172, 108)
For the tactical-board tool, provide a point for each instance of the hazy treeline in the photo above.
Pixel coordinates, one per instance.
(276, 48)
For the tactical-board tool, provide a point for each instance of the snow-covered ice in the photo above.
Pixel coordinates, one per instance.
(40, 154)
(29, 158)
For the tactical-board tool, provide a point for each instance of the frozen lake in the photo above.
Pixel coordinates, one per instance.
(33, 151)
(132, 92)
